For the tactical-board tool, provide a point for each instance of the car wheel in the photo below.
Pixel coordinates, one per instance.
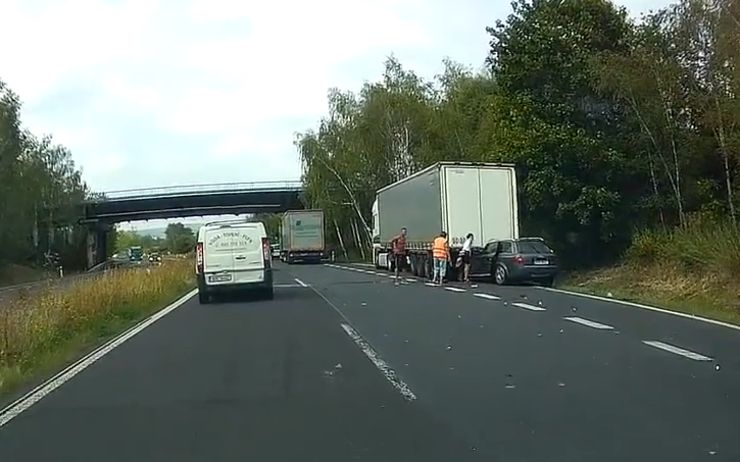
(499, 275)
(269, 293)
(548, 282)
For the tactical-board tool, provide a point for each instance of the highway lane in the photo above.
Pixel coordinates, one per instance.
(241, 380)
(507, 379)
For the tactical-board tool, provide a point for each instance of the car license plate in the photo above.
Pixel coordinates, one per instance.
(219, 278)
(541, 262)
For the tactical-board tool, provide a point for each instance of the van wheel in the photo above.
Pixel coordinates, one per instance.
(548, 282)
(269, 294)
(203, 297)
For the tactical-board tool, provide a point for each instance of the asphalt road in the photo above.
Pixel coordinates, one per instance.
(343, 365)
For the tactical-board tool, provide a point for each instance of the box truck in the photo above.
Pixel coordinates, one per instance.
(458, 198)
(302, 236)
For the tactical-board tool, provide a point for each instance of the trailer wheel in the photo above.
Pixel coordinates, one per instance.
(414, 265)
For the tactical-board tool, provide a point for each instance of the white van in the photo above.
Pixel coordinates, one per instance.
(233, 256)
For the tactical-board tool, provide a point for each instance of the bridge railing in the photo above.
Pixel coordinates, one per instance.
(165, 191)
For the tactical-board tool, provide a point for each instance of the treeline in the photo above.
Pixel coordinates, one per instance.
(179, 239)
(39, 187)
(614, 124)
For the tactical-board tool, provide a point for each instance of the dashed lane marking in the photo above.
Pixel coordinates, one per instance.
(676, 350)
(487, 296)
(527, 306)
(589, 323)
(455, 289)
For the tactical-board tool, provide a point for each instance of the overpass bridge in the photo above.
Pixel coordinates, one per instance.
(183, 201)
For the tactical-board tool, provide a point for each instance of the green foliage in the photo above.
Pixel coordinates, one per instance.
(40, 187)
(613, 125)
(179, 239)
(127, 239)
(272, 222)
(701, 246)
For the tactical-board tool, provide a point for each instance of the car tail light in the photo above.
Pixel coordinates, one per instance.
(199, 257)
(266, 252)
(519, 260)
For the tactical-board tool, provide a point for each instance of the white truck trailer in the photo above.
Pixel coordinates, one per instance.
(302, 236)
(455, 197)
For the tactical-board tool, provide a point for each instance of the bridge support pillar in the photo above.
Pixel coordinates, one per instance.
(97, 237)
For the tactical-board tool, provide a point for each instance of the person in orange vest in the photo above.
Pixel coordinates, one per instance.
(441, 255)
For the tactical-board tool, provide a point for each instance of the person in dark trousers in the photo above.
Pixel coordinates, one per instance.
(398, 244)
(466, 253)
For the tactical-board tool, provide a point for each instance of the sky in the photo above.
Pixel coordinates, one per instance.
(149, 93)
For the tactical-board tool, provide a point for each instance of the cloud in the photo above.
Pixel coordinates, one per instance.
(165, 92)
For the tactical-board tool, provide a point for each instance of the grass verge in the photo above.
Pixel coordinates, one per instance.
(42, 332)
(694, 270)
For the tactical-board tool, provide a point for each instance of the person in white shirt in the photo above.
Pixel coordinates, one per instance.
(466, 254)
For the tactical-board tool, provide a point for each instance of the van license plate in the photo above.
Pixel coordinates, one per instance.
(219, 278)
(541, 262)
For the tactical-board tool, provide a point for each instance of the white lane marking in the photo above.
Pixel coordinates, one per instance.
(410, 280)
(303, 284)
(37, 394)
(676, 350)
(430, 284)
(455, 289)
(487, 296)
(382, 366)
(589, 323)
(527, 306)
(286, 286)
(644, 307)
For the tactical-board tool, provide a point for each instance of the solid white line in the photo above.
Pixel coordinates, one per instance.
(676, 350)
(487, 296)
(589, 323)
(382, 366)
(285, 286)
(455, 289)
(303, 284)
(410, 280)
(430, 284)
(527, 306)
(644, 307)
(37, 394)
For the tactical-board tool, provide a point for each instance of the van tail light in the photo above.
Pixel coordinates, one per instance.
(519, 260)
(266, 252)
(199, 258)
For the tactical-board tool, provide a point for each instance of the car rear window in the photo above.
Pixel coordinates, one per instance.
(533, 247)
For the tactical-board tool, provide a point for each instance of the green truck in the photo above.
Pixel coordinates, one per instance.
(302, 236)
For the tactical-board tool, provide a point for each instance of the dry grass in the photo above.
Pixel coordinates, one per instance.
(694, 270)
(39, 330)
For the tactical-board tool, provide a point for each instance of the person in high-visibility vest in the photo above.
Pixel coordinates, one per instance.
(441, 255)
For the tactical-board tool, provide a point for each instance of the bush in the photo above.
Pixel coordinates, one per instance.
(702, 246)
(53, 322)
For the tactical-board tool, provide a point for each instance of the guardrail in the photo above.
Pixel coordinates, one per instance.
(165, 191)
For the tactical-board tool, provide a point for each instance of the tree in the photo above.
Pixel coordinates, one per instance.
(179, 238)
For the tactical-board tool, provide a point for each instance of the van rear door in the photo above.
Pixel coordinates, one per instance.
(233, 254)
(249, 260)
